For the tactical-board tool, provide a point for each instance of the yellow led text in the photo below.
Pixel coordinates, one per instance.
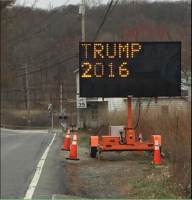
(95, 70)
(89, 66)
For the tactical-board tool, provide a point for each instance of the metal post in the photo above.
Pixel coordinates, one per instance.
(129, 113)
(98, 152)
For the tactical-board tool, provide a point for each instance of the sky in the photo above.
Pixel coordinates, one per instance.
(45, 4)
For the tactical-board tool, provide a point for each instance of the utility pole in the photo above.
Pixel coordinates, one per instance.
(83, 40)
(52, 118)
(61, 98)
(28, 97)
(82, 13)
(83, 20)
(61, 108)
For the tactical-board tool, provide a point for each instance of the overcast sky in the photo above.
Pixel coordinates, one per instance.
(44, 4)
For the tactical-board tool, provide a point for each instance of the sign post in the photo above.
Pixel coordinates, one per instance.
(50, 107)
(63, 117)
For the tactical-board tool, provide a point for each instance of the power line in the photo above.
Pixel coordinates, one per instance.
(32, 28)
(42, 30)
(43, 27)
(50, 58)
(41, 53)
(104, 19)
(44, 19)
(30, 9)
(47, 67)
(112, 9)
(58, 39)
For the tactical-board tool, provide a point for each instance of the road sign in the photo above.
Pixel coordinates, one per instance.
(81, 102)
(49, 106)
(140, 69)
(63, 111)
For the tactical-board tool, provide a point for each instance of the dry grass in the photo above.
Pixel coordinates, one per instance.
(175, 128)
(19, 118)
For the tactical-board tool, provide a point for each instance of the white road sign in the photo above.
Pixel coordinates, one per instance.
(49, 106)
(81, 102)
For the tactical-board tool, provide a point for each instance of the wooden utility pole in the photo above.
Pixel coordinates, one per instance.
(83, 40)
(83, 20)
(28, 95)
(61, 98)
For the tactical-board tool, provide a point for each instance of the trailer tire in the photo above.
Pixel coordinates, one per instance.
(93, 152)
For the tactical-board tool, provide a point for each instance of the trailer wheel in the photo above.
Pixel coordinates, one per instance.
(93, 152)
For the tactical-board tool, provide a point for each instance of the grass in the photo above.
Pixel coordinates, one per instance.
(143, 161)
(85, 139)
(154, 188)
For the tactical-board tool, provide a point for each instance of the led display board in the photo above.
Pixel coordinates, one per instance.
(122, 69)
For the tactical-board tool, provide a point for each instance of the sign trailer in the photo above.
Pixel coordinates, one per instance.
(123, 69)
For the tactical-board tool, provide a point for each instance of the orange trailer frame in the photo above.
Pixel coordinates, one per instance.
(112, 143)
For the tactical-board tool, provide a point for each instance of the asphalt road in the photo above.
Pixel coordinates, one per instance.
(20, 154)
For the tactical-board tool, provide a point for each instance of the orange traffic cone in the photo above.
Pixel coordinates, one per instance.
(66, 142)
(157, 154)
(73, 152)
(140, 137)
(140, 141)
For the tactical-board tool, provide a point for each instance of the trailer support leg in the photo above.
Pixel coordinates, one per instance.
(98, 153)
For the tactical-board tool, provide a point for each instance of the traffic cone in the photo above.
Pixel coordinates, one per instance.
(140, 141)
(140, 137)
(73, 152)
(66, 142)
(157, 154)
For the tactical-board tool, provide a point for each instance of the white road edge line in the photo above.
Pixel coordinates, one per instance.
(39, 168)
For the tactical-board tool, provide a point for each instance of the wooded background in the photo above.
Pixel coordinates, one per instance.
(47, 42)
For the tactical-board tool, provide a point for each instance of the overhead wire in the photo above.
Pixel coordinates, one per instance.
(48, 25)
(47, 67)
(77, 21)
(112, 9)
(39, 31)
(20, 11)
(104, 19)
(53, 56)
(45, 27)
(44, 51)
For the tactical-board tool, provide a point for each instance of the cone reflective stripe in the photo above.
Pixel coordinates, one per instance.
(73, 152)
(157, 154)
(140, 137)
(140, 141)
(66, 142)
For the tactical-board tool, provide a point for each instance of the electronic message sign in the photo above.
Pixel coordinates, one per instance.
(122, 69)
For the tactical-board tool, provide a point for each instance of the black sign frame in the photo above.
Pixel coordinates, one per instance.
(164, 82)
